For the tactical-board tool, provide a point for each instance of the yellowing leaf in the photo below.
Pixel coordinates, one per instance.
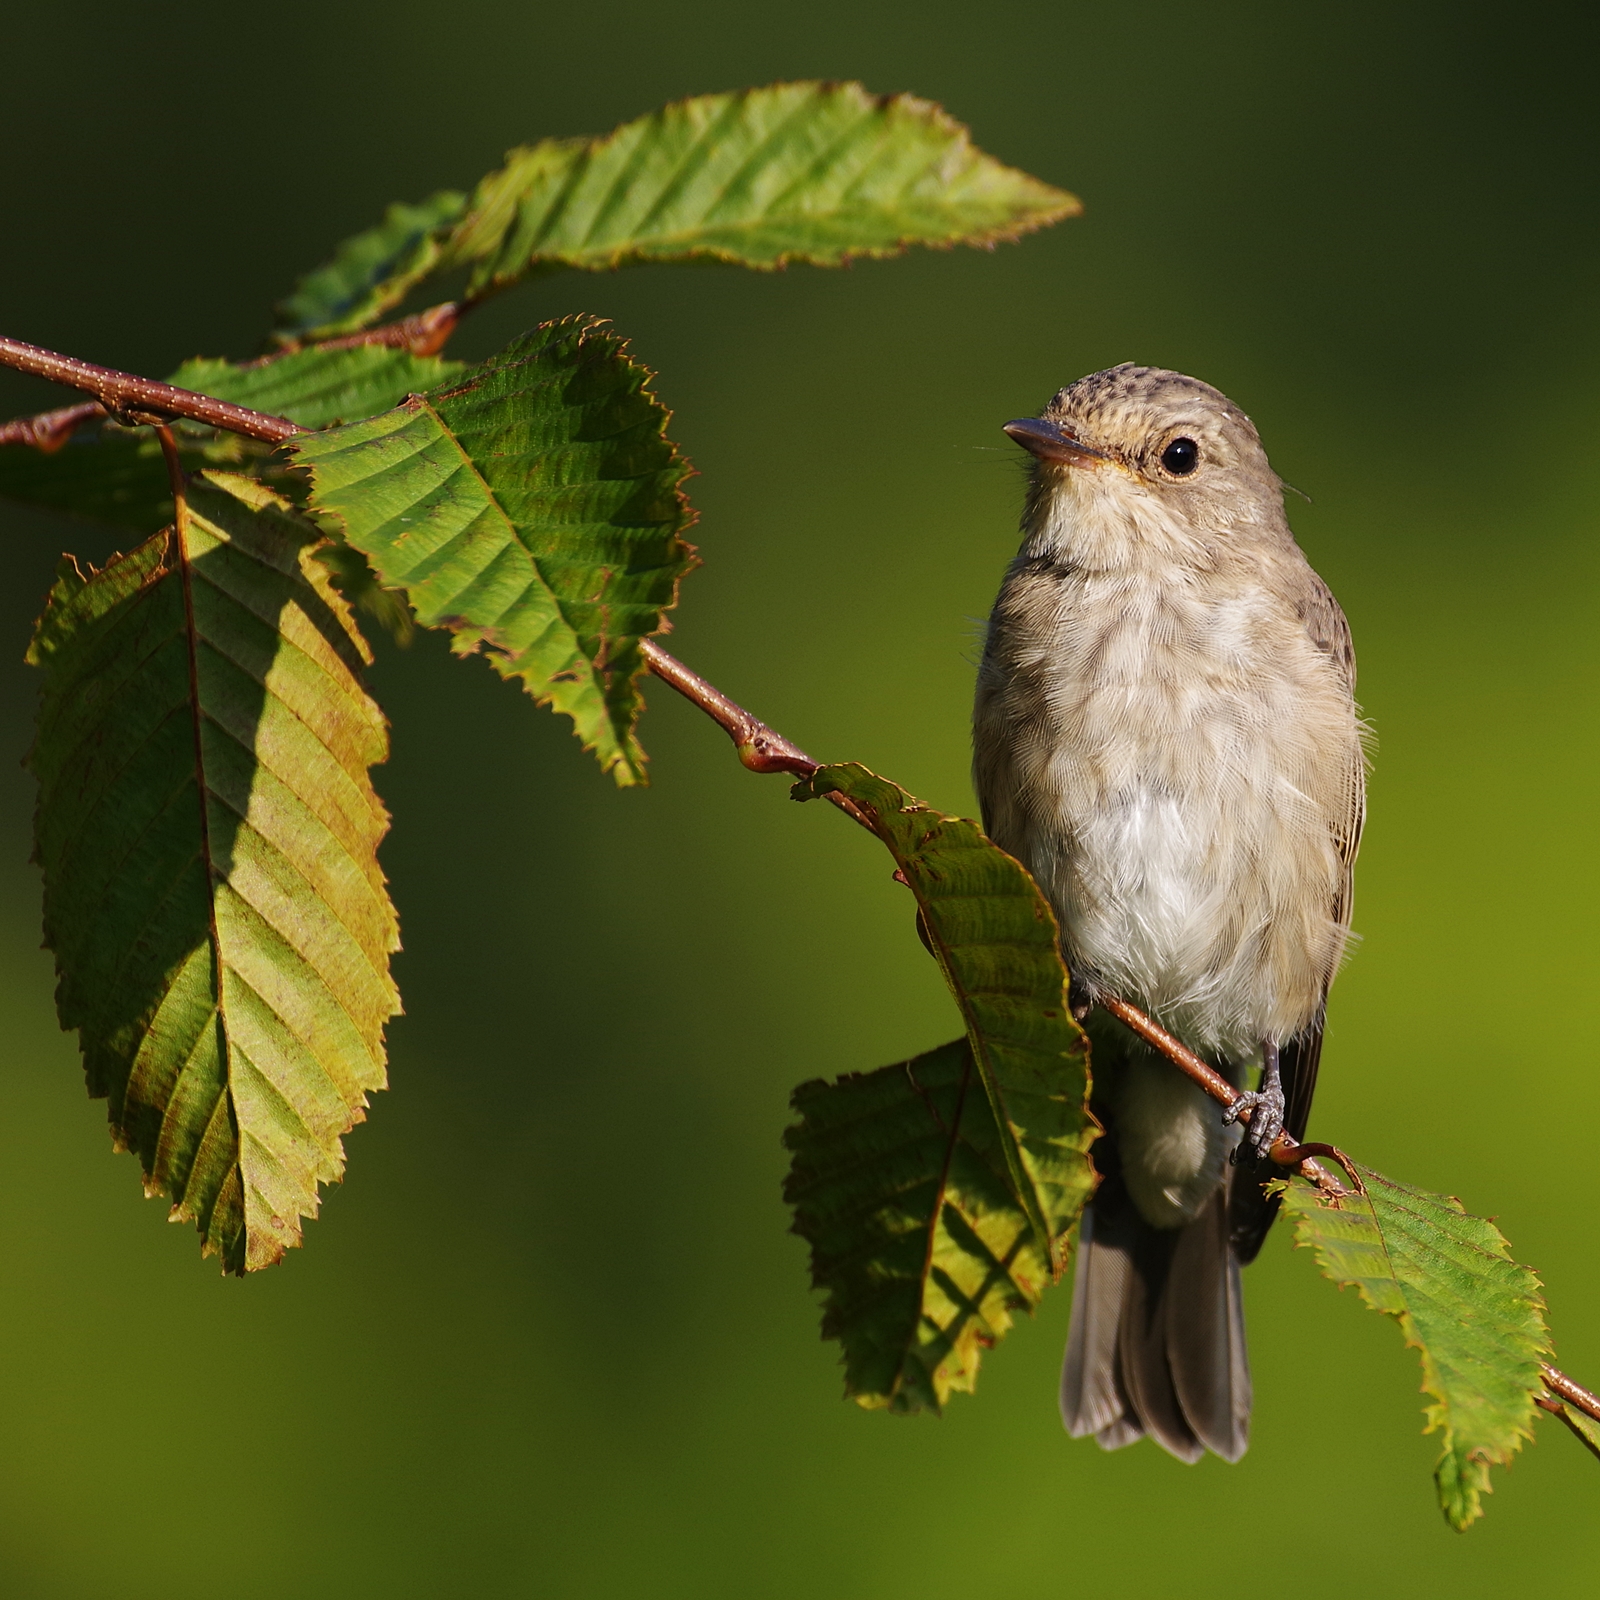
(208, 833)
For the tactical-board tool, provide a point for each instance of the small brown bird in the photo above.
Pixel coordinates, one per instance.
(1166, 735)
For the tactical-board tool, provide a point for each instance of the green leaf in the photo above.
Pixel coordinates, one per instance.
(919, 1245)
(116, 475)
(809, 172)
(1473, 1314)
(208, 833)
(990, 1175)
(373, 271)
(995, 939)
(533, 509)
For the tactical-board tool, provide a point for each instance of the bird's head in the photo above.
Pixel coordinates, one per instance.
(1137, 466)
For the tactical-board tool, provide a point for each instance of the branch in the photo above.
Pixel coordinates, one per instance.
(424, 334)
(141, 401)
(135, 400)
(763, 750)
(759, 747)
(1558, 1383)
(49, 430)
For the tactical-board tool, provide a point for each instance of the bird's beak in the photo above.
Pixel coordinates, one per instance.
(1049, 441)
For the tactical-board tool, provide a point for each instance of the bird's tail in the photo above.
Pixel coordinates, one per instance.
(1157, 1342)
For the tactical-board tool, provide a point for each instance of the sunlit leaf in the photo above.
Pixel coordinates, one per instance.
(1475, 1317)
(208, 833)
(942, 1194)
(533, 508)
(797, 172)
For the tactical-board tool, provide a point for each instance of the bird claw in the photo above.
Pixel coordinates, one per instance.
(1266, 1120)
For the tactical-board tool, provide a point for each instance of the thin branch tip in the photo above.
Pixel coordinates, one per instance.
(1569, 1391)
(48, 431)
(424, 334)
(759, 748)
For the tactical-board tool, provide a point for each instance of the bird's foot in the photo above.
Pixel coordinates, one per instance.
(1266, 1110)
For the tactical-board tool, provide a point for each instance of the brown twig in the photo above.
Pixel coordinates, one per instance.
(759, 747)
(1285, 1152)
(424, 334)
(1574, 1394)
(49, 430)
(134, 400)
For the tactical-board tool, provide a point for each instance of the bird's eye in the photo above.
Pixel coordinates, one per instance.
(1181, 457)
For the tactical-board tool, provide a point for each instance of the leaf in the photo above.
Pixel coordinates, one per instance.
(1475, 1316)
(810, 172)
(532, 508)
(116, 475)
(918, 1243)
(208, 833)
(374, 270)
(994, 1173)
(995, 939)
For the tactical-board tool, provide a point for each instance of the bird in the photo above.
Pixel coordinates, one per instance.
(1166, 735)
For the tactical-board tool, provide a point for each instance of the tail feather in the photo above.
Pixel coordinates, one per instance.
(1157, 1343)
(1205, 1346)
(1142, 1350)
(1091, 1397)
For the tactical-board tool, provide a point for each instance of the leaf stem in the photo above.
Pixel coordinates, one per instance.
(175, 476)
(1285, 1152)
(133, 400)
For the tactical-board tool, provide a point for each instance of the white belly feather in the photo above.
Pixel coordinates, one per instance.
(1176, 808)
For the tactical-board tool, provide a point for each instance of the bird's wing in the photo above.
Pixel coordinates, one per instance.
(1325, 622)
(1250, 1211)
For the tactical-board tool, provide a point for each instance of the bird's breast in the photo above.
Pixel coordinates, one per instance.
(1177, 757)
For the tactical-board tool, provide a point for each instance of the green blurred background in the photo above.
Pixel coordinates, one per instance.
(551, 1338)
